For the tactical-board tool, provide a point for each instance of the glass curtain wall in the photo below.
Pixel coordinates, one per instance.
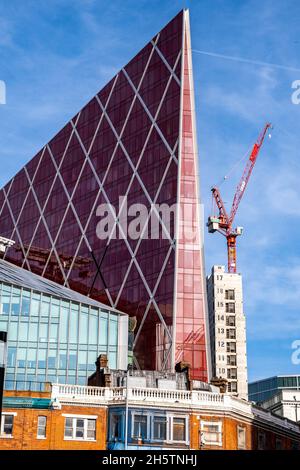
(51, 339)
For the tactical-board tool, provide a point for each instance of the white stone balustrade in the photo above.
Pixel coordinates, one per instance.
(196, 400)
(101, 395)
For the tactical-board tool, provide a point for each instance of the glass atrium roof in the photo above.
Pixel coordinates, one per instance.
(21, 277)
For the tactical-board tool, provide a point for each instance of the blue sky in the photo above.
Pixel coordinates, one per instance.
(56, 55)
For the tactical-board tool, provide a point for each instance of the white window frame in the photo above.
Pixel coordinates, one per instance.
(220, 432)
(37, 431)
(2, 435)
(244, 429)
(232, 373)
(228, 347)
(140, 413)
(85, 419)
(227, 296)
(170, 419)
(152, 428)
(233, 358)
(232, 306)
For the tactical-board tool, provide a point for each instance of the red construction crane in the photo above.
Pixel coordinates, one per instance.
(223, 223)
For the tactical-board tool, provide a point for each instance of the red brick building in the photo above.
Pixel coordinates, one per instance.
(31, 421)
(92, 418)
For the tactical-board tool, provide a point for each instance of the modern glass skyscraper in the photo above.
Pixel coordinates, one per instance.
(135, 140)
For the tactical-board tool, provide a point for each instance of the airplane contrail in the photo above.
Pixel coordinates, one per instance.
(247, 61)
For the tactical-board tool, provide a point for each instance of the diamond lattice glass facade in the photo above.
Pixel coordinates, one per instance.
(135, 138)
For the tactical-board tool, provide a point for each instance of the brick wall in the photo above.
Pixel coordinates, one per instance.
(26, 420)
(25, 429)
(230, 434)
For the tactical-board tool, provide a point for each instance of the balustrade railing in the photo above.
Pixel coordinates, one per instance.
(64, 393)
(78, 392)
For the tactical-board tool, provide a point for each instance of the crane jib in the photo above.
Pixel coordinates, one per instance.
(254, 153)
(222, 223)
